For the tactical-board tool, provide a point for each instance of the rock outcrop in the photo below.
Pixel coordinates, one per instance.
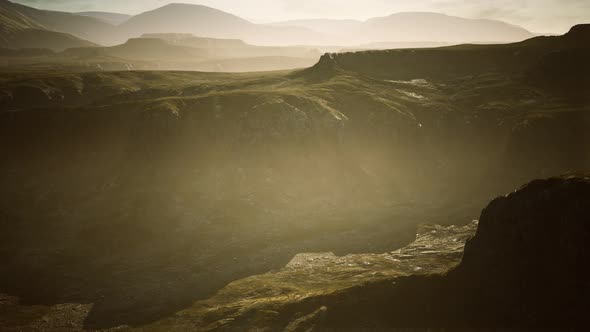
(526, 268)
(528, 263)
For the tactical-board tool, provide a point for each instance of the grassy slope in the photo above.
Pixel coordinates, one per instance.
(198, 179)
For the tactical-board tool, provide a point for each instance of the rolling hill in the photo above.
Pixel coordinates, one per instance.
(18, 30)
(209, 22)
(84, 27)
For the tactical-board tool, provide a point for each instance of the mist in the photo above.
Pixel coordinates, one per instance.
(293, 165)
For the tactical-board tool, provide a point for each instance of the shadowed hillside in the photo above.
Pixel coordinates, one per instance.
(18, 30)
(144, 192)
(526, 261)
(512, 273)
(84, 27)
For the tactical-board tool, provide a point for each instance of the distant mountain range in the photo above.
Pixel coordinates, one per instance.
(111, 18)
(184, 52)
(414, 27)
(109, 29)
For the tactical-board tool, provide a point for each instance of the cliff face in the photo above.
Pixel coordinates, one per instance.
(528, 263)
(526, 267)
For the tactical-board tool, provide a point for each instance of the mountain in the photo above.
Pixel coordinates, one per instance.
(439, 27)
(84, 27)
(414, 27)
(331, 27)
(402, 27)
(209, 22)
(18, 30)
(111, 18)
(142, 49)
(112, 29)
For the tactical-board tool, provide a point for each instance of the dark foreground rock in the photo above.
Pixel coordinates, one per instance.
(526, 268)
(528, 263)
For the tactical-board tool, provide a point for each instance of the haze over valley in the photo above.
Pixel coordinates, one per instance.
(228, 43)
(186, 169)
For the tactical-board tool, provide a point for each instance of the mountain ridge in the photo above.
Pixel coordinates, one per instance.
(417, 27)
(111, 18)
(18, 30)
(110, 28)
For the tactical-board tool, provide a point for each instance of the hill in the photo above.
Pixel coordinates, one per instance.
(165, 52)
(209, 22)
(20, 31)
(38, 38)
(142, 49)
(148, 192)
(467, 59)
(181, 52)
(84, 27)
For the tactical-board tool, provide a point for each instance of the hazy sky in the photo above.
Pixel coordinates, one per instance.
(555, 16)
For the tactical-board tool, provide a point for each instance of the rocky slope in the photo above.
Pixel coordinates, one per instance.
(143, 192)
(267, 301)
(524, 266)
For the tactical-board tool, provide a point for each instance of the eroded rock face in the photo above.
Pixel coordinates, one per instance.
(310, 291)
(526, 267)
(528, 263)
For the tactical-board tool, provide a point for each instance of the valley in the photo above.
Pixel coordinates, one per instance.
(185, 169)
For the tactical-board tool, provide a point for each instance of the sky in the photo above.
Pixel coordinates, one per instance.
(540, 16)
